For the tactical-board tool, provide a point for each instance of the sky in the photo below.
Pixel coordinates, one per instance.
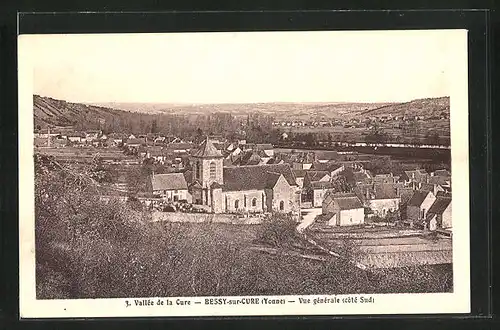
(245, 67)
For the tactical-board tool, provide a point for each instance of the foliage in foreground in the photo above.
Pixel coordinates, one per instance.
(88, 249)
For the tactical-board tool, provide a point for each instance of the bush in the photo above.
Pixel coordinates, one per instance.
(278, 230)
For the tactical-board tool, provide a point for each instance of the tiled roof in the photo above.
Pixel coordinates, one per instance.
(439, 205)
(417, 175)
(256, 177)
(328, 166)
(427, 187)
(179, 146)
(347, 202)
(207, 150)
(188, 175)
(321, 185)
(315, 175)
(299, 173)
(406, 194)
(169, 181)
(443, 194)
(440, 180)
(249, 158)
(442, 173)
(418, 198)
(135, 141)
(379, 190)
(361, 176)
(195, 184)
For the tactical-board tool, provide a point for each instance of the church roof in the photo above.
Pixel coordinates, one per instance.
(256, 177)
(207, 150)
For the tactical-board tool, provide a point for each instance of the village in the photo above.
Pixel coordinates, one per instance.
(328, 193)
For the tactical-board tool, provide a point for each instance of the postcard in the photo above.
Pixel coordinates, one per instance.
(243, 174)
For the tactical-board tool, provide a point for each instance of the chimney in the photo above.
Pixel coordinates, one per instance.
(367, 193)
(398, 192)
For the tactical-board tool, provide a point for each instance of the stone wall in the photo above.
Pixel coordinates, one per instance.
(204, 218)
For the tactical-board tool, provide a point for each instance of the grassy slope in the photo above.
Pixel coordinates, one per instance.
(61, 113)
(420, 107)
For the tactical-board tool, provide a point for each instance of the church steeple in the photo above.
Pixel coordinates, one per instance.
(208, 163)
(207, 150)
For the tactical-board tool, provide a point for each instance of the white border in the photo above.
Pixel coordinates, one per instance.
(456, 302)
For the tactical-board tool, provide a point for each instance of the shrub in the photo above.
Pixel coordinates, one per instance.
(278, 230)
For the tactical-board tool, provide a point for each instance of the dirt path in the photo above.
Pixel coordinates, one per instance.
(308, 217)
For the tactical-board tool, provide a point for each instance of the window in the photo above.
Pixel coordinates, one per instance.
(212, 170)
(198, 170)
(236, 204)
(282, 206)
(254, 202)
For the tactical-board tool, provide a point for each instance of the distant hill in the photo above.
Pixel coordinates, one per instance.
(280, 110)
(137, 116)
(49, 111)
(421, 107)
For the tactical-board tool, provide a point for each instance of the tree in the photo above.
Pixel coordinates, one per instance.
(154, 126)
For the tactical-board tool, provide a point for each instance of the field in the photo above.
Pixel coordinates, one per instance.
(392, 129)
(75, 154)
(388, 247)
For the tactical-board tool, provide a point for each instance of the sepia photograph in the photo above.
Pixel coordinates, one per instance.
(245, 173)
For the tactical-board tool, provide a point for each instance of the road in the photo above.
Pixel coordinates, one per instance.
(308, 217)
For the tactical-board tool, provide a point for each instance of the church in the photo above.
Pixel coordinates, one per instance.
(245, 189)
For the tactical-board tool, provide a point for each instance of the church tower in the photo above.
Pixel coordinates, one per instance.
(207, 163)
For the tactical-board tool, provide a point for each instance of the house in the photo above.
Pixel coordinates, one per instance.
(381, 198)
(360, 176)
(435, 188)
(343, 209)
(254, 188)
(299, 177)
(171, 187)
(443, 172)
(414, 178)
(406, 194)
(302, 165)
(158, 154)
(439, 214)
(333, 168)
(419, 205)
(319, 190)
(92, 135)
(442, 181)
(385, 178)
(311, 176)
(134, 143)
(76, 137)
(117, 139)
(267, 148)
(179, 148)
